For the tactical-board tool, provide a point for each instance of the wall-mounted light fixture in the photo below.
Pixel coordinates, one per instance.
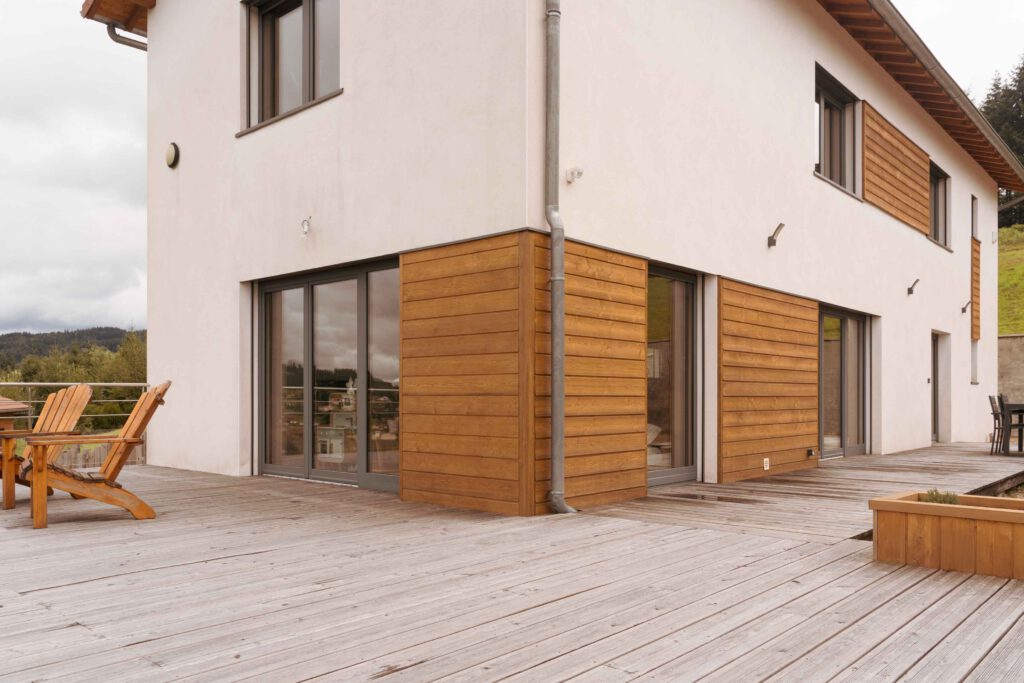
(966, 306)
(172, 155)
(573, 174)
(910, 289)
(773, 239)
(306, 225)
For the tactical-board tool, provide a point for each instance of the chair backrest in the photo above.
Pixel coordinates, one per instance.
(134, 427)
(994, 403)
(60, 413)
(1002, 402)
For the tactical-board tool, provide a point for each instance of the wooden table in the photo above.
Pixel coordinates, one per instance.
(1009, 410)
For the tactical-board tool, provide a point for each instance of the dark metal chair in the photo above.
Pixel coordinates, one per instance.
(997, 424)
(1011, 426)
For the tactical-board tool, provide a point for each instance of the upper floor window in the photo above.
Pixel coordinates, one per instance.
(835, 113)
(293, 54)
(939, 205)
(974, 217)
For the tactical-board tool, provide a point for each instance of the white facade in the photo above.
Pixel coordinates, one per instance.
(691, 120)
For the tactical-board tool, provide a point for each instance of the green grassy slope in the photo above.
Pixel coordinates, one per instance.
(1011, 280)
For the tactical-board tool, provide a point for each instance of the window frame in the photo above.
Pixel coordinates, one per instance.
(830, 93)
(938, 218)
(974, 217)
(261, 70)
(360, 272)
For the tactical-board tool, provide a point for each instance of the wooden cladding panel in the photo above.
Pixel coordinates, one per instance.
(768, 381)
(476, 375)
(975, 289)
(606, 375)
(461, 375)
(896, 172)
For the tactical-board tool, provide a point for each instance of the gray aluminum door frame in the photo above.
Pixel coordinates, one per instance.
(688, 473)
(362, 477)
(934, 381)
(844, 316)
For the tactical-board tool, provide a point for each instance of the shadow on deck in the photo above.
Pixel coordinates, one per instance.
(826, 504)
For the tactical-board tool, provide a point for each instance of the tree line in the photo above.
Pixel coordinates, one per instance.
(1003, 106)
(91, 363)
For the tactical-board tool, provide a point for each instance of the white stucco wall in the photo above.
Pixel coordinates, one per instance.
(694, 124)
(429, 143)
(691, 119)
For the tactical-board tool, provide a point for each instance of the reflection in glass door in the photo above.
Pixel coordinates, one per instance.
(335, 376)
(383, 352)
(842, 383)
(670, 372)
(285, 388)
(331, 389)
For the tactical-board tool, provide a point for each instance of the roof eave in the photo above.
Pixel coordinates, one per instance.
(972, 131)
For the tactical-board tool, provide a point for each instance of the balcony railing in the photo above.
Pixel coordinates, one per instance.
(111, 404)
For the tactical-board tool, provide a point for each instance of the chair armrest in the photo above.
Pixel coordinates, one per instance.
(27, 433)
(15, 433)
(78, 440)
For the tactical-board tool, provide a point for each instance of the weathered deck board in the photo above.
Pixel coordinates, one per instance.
(275, 579)
(824, 504)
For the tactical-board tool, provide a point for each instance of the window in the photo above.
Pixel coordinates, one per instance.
(331, 365)
(974, 217)
(939, 205)
(294, 54)
(974, 362)
(835, 113)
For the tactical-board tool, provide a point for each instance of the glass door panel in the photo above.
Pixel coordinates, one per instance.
(853, 398)
(286, 395)
(331, 389)
(336, 376)
(382, 362)
(842, 379)
(670, 371)
(831, 385)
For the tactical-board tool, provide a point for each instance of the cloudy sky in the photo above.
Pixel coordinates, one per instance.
(72, 152)
(72, 171)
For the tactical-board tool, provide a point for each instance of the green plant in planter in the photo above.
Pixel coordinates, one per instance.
(936, 496)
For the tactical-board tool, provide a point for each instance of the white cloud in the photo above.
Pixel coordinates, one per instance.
(72, 172)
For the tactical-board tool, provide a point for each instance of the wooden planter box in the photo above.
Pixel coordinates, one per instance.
(981, 535)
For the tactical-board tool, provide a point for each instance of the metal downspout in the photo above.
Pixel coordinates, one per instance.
(554, 218)
(122, 40)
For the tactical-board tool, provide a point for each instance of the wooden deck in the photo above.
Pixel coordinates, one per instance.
(826, 504)
(274, 579)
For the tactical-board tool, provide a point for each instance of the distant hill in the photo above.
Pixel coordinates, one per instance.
(14, 346)
(1011, 280)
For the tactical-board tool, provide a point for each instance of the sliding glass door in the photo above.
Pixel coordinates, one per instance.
(670, 377)
(842, 373)
(331, 392)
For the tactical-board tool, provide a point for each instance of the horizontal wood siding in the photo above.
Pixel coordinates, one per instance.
(606, 375)
(975, 289)
(896, 172)
(461, 375)
(768, 380)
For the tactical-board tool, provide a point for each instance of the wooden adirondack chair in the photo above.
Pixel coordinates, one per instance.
(101, 485)
(58, 417)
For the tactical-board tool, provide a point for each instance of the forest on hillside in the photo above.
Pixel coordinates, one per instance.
(16, 346)
(101, 354)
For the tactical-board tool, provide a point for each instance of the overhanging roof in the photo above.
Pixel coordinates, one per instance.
(129, 15)
(883, 32)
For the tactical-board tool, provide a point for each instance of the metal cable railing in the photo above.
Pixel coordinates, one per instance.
(110, 406)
